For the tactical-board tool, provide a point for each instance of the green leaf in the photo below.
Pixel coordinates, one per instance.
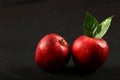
(104, 27)
(90, 25)
(92, 28)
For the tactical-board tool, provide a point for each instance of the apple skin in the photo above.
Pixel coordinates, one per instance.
(52, 52)
(89, 54)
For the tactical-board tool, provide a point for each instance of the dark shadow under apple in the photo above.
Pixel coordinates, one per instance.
(27, 72)
(71, 70)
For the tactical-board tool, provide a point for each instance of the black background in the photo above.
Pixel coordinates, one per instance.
(24, 23)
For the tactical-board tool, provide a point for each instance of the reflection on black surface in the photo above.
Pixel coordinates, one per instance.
(68, 72)
(71, 70)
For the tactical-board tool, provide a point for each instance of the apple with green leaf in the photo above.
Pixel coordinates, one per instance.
(90, 50)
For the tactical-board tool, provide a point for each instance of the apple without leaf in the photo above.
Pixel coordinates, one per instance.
(52, 52)
(90, 50)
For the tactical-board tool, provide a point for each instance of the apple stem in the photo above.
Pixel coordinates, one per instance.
(61, 41)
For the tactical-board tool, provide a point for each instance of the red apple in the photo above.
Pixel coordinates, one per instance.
(52, 52)
(89, 53)
(90, 50)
